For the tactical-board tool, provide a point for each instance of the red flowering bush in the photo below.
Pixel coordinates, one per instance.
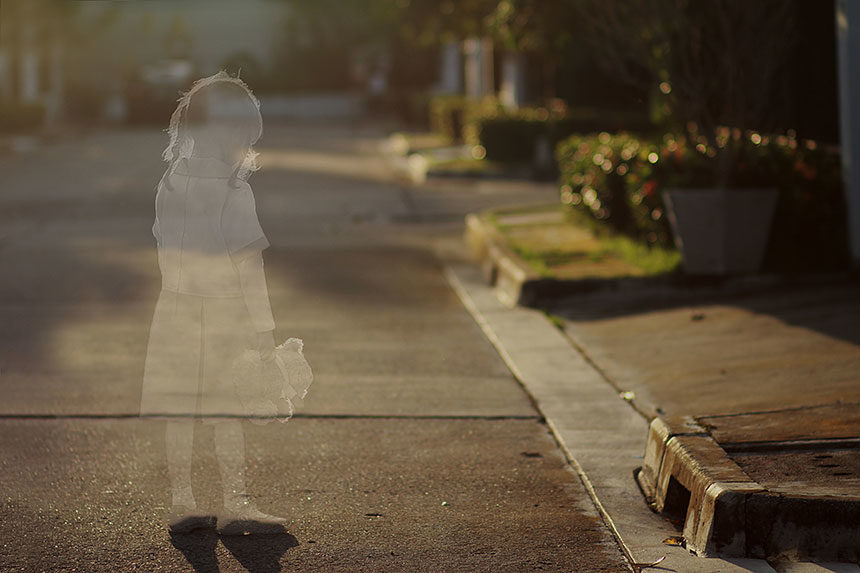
(617, 182)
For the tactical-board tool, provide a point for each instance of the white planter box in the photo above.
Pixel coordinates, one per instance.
(721, 231)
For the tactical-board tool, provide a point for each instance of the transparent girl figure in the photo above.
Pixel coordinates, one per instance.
(214, 302)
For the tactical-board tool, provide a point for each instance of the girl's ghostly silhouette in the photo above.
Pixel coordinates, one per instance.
(214, 302)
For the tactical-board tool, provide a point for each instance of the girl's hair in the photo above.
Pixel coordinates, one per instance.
(246, 126)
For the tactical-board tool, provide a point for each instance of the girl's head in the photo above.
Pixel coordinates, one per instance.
(218, 117)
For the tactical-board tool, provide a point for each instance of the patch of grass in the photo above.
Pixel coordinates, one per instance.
(652, 260)
(537, 259)
(528, 209)
(597, 256)
(606, 254)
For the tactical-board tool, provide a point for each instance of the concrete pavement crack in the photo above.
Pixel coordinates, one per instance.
(535, 417)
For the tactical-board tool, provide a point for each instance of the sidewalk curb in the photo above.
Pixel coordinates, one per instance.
(686, 473)
(500, 266)
(601, 435)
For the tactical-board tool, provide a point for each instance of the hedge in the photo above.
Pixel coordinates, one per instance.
(447, 115)
(512, 135)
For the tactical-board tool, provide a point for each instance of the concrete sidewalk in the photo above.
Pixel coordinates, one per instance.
(751, 395)
(759, 393)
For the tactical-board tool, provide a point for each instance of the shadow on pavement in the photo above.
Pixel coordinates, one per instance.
(260, 553)
(256, 553)
(829, 309)
(198, 547)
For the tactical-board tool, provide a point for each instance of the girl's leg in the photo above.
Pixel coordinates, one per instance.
(230, 451)
(242, 516)
(180, 443)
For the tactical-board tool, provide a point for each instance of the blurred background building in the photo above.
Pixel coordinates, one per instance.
(119, 60)
(513, 76)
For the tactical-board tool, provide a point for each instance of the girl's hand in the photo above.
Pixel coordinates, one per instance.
(266, 344)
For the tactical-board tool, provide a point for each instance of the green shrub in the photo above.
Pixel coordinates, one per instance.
(512, 135)
(21, 117)
(454, 115)
(507, 139)
(617, 180)
(416, 109)
(446, 115)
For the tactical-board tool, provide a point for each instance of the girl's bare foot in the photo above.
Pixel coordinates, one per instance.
(185, 519)
(241, 517)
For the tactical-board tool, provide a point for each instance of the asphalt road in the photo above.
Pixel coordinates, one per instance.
(418, 450)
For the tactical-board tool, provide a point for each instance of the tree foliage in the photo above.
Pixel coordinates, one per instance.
(538, 26)
(715, 63)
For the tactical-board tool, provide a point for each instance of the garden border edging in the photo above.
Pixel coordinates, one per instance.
(515, 282)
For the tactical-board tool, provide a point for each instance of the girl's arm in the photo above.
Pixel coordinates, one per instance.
(245, 242)
(253, 280)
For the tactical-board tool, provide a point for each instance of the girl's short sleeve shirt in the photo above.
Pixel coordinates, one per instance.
(205, 226)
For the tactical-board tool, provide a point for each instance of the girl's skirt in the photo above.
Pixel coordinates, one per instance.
(193, 342)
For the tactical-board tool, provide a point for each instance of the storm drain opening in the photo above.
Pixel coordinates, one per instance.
(677, 503)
